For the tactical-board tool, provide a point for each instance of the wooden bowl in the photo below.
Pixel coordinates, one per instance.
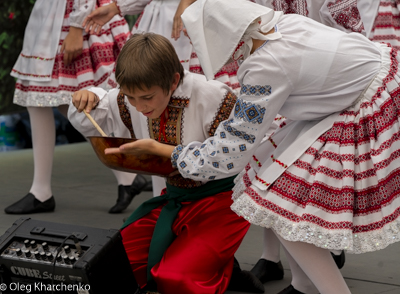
(144, 164)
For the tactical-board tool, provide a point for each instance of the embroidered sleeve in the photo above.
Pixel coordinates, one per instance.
(81, 9)
(175, 155)
(235, 140)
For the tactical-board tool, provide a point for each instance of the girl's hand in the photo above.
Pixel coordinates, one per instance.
(72, 45)
(85, 99)
(177, 25)
(143, 146)
(94, 22)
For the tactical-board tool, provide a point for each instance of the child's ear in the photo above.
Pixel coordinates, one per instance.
(175, 82)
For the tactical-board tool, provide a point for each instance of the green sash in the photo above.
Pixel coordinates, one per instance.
(163, 235)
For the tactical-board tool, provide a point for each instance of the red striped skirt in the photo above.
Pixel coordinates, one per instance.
(343, 192)
(93, 68)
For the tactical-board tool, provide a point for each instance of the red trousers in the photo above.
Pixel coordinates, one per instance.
(200, 259)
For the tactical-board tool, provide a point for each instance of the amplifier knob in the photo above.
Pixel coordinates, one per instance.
(59, 258)
(45, 246)
(18, 251)
(27, 243)
(67, 249)
(49, 256)
(71, 259)
(33, 244)
(27, 253)
(37, 255)
(65, 258)
(42, 256)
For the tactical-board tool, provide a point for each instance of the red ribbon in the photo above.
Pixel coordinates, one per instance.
(163, 121)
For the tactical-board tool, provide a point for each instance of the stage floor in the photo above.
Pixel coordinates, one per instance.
(84, 190)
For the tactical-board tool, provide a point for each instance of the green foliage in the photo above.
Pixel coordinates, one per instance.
(14, 16)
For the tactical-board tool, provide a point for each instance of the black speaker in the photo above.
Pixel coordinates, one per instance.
(46, 257)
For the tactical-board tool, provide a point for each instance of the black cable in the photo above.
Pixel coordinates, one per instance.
(58, 250)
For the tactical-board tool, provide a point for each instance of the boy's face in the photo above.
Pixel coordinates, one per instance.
(151, 102)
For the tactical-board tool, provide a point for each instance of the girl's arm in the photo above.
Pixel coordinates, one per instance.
(177, 25)
(94, 22)
(73, 42)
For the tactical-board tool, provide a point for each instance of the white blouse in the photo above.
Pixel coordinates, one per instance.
(202, 103)
(313, 71)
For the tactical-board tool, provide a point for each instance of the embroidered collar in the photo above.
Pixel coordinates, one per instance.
(181, 96)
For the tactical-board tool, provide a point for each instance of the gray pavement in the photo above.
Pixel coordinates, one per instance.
(85, 189)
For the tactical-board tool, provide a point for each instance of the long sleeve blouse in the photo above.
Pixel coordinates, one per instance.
(312, 72)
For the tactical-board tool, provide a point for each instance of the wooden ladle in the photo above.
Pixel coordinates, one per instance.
(95, 123)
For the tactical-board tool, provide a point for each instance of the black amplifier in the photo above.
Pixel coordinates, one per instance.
(46, 257)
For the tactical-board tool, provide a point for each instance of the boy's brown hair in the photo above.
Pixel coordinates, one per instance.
(147, 60)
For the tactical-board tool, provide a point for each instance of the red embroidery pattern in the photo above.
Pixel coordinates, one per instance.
(229, 70)
(224, 110)
(257, 161)
(30, 75)
(241, 43)
(171, 137)
(273, 143)
(387, 24)
(291, 6)
(346, 14)
(279, 162)
(125, 113)
(179, 102)
(49, 89)
(37, 57)
(170, 126)
(262, 181)
(226, 75)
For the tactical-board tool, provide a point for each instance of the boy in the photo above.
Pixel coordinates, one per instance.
(190, 250)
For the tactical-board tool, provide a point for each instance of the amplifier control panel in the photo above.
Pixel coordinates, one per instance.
(42, 252)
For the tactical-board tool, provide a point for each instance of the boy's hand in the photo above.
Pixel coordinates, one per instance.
(94, 22)
(143, 146)
(85, 99)
(72, 45)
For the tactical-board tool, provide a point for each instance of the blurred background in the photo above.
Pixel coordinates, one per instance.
(15, 131)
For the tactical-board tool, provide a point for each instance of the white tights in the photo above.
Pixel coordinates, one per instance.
(310, 265)
(43, 143)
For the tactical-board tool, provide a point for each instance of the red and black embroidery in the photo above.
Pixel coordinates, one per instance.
(224, 110)
(291, 6)
(346, 14)
(125, 114)
(173, 127)
(179, 102)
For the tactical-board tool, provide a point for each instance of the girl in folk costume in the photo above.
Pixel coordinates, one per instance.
(378, 21)
(58, 59)
(184, 240)
(329, 180)
(157, 16)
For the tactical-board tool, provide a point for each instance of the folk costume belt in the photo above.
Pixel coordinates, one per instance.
(163, 235)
